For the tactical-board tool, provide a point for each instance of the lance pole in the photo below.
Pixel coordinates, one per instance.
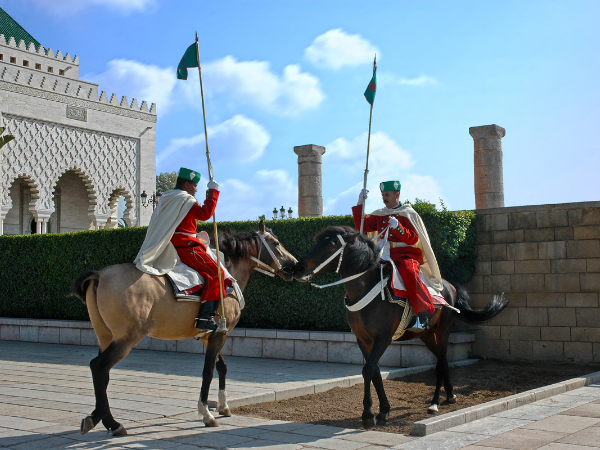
(222, 321)
(362, 216)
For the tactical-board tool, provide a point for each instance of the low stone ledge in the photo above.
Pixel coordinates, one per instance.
(325, 346)
(455, 418)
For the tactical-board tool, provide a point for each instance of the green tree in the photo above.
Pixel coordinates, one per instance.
(165, 181)
(5, 139)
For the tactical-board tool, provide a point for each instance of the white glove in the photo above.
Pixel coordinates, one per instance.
(362, 196)
(393, 223)
(212, 184)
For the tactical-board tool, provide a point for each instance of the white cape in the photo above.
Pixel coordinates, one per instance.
(158, 255)
(429, 269)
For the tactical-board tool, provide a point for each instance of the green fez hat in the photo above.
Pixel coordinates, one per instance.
(188, 174)
(390, 186)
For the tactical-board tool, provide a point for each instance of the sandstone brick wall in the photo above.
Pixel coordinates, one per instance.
(546, 259)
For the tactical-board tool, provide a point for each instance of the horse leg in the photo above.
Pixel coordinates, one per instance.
(215, 344)
(222, 406)
(369, 369)
(384, 405)
(432, 344)
(100, 367)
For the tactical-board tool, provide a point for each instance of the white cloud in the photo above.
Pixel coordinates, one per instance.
(422, 80)
(253, 82)
(387, 161)
(383, 151)
(268, 189)
(74, 6)
(389, 78)
(336, 48)
(237, 140)
(137, 80)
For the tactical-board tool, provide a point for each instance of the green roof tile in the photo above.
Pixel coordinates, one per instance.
(9, 27)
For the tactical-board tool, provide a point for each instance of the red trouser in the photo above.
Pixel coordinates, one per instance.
(418, 294)
(197, 258)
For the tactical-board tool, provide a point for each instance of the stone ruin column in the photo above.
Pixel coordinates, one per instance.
(310, 186)
(489, 186)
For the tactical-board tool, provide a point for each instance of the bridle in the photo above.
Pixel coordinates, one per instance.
(268, 270)
(340, 252)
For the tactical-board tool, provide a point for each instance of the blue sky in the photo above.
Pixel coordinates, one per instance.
(283, 73)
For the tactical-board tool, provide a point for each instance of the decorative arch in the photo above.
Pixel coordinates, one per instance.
(113, 201)
(33, 187)
(87, 181)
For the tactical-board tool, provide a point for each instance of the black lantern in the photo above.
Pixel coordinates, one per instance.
(290, 212)
(152, 201)
(275, 213)
(282, 212)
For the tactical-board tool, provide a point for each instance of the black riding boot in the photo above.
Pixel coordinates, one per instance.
(206, 316)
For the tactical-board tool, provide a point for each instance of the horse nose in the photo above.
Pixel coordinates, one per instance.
(299, 270)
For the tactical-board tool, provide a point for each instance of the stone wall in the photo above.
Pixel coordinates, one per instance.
(546, 259)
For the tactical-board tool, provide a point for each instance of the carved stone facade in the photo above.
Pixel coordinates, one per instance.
(75, 153)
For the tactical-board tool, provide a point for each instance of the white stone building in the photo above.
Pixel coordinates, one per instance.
(75, 152)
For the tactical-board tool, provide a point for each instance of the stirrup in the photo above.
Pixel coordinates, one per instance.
(417, 326)
(208, 325)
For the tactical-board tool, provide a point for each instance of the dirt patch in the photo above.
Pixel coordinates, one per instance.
(410, 396)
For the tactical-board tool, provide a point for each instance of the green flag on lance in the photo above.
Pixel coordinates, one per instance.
(190, 59)
(372, 87)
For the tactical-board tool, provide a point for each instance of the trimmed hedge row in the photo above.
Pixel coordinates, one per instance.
(37, 272)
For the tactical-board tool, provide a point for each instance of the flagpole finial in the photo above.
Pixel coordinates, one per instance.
(196, 36)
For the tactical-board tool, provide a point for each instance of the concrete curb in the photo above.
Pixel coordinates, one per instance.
(439, 423)
(325, 385)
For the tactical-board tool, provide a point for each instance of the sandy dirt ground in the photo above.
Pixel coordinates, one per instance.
(409, 397)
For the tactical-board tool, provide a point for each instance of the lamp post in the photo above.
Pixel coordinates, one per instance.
(282, 212)
(290, 212)
(275, 213)
(152, 201)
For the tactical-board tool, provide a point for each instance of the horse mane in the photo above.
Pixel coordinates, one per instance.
(360, 251)
(240, 245)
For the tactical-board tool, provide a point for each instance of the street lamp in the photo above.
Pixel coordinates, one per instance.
(152, 201)
(290, 212)
(275, 213)
(282, 212)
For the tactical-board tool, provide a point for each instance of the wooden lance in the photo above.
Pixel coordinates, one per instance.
(362, 216)
(222, 321)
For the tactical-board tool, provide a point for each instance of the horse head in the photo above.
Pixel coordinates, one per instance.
(276, 256)
(332, 246)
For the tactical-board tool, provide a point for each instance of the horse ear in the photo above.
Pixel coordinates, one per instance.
(350, 237)
(261, 226)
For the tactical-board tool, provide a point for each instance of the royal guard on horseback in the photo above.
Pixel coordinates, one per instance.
(172, 248)
(406, 245)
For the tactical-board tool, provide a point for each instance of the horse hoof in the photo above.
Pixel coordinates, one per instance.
(121, 431)
(381, 419)
(369, 423)
(86, 424)
(451, 400)
(212, 423)
(433, 409)
(226, 412)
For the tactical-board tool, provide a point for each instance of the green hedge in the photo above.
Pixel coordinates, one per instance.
(37, 272)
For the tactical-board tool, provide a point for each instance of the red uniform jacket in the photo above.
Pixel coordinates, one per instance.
(192, 252)
(378, 224)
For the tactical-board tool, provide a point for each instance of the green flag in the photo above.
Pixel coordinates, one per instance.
(190, 59)
(372, 87)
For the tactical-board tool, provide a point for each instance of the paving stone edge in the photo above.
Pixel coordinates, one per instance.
(439, 423)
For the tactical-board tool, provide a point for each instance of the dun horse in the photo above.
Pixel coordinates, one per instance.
(375, 324)
(125, 305)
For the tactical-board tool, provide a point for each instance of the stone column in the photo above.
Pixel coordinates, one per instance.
(42, 217)
(310, 187)
(489, 187)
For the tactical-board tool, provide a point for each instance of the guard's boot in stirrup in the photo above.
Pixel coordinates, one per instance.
(206, 316)
(419, 323)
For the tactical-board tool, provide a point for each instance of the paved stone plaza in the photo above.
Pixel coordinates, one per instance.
(45, 391)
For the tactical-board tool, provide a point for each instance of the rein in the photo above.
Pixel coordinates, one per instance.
(340, 251)
(268, 270)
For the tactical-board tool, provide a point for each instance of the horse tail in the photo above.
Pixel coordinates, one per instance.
(81, 284)
(472, 316)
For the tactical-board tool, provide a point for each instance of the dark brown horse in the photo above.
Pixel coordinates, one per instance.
(125, 305)
(375, 324)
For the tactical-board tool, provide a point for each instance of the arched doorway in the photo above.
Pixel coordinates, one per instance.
(73, 204)
(23, 192)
